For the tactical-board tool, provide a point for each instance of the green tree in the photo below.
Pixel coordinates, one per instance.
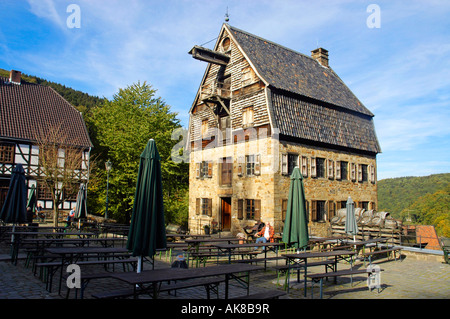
(120, 129)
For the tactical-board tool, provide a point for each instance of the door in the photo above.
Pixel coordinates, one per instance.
(226, 213)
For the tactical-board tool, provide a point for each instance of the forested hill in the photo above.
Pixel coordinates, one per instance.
(82, 101)
(421, 200)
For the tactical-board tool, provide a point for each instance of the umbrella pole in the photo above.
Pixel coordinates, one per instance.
(139, 264)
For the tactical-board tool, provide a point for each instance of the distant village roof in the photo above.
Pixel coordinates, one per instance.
(25, 107)
(308, 100)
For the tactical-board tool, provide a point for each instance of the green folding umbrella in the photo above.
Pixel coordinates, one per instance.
(147, 229)
(80, 208)
(31, 202)
(351, 228)
(295, 232)
(14, 208)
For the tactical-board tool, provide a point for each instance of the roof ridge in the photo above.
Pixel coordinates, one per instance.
(271, 42)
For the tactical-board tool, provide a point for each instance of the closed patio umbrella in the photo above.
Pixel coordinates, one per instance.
(31, 202)
(351, 228)
(14, 208)
(80, 208)
(147, 229)
(295, 232)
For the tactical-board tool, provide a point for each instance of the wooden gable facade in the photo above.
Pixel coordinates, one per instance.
(29, 111)
(262, 109)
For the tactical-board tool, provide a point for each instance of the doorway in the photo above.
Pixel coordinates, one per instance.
(225, 208)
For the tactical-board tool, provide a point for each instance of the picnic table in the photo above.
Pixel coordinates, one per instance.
(301, 260)
(18, 236)
(231, 247)
(70, 255)
(194, 244)
(149, 282)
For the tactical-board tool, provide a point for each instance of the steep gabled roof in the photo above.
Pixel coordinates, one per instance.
(28, 107)
(295, 72)
(308, 101)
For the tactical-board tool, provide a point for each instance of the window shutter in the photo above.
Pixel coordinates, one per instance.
(304, 166)
(314, 210)
(313, 167)
(257, 203)
(360, 174)
(209, 206)
(240, 165)
(330, 168)
(240, 209)
(283, 209)
(372, 173)
(197, 170)
(331, 209)
(338, 169)
(284, 164)
(353, 171)
(257, 164)
(210, 164)
(198, 206)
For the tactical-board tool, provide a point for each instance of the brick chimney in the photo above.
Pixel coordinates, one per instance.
(15, 76)
(321, 55)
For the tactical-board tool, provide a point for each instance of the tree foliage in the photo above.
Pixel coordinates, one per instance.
(422, 200)
(120, 129)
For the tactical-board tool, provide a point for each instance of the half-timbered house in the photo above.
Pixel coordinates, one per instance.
(262, 109)
(28, 112)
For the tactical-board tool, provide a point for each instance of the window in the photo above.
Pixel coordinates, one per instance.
(342, 170)
(318, 210)
(252, 165)
(226, 171)
(320, 167)
(247, 76)
(247, 116)
(7, 153)
(203, 206)
(253, 209)
(288, 162)
(292, 162)
(204, 169)
(362, 173)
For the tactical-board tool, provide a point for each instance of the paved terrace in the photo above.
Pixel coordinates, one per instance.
(416, 276)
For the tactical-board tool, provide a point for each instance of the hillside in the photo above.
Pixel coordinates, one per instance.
(421, 200)
(82, 101)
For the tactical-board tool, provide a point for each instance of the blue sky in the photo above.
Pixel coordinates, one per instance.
(400, 71)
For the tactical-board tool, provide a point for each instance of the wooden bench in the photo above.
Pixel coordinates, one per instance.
(381, 251)
(50, 268)
(347, 272)
(268, 294)
(208, 283)
(85, 279)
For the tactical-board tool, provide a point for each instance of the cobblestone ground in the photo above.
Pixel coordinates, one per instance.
(406, 279)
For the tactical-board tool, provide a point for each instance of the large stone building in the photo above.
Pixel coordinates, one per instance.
(31, 115)
(261, 110)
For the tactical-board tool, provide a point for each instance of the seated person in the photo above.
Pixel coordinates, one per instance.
(180, 262)
(266, 235)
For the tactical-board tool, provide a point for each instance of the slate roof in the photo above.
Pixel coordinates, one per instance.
(30, 106)
(309, 101)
